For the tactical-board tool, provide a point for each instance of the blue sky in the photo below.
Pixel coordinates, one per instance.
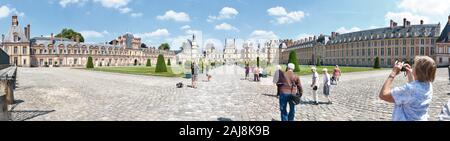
(172, 21)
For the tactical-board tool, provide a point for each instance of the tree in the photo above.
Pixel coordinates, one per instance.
(90, 64)
(70, 34)
(143, 45)
(319, 63)
(149, 63)
(164, 46)
(160, 64)
(257, 61)
(293, 59)
(376, 63)
(168, 62)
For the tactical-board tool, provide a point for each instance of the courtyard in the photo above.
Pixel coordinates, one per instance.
(64, 94)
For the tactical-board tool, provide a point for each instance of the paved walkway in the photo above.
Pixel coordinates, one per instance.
(72, 94)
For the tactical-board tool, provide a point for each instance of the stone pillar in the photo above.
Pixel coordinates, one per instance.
(9, 92)
(4, 114)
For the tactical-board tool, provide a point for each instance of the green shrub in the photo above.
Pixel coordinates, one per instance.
(149, 63)
(376, 63)
(89, 63)
(160, 64)
(293, 59)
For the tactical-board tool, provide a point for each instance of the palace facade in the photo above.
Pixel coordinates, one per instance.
(396, 42)
(25, 51)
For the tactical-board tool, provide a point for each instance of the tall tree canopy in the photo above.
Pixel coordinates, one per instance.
(164, 46)
(70, 34)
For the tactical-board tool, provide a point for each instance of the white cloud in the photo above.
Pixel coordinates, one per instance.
(94, 34)
(113, 3)
(124, 10)
(64, 3)
(158, 33)
(277, 11)
(6, 11)
(263, 35)
(344, 30)
(135, 15)
(398, 17)
(283, 17)
(225, 13)
(428, 7)
(175, 16)
(225, 26)
(185, 27)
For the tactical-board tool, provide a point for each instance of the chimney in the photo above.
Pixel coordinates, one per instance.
(3, 38)
(26, 31)
(421, 22)
(29, 31)
(408, 23)
(15, 21)
(391, 24)
(52, 38)
(404, 22)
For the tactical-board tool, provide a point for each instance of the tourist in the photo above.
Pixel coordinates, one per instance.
(315, 84)
(411, 100)
(247, 71)
(326, 85)
(208, 75)
(276, 78)
(255, 74)
(445, 113)
(291, 86)
(336, 75)
(195, 70)
(261, 73)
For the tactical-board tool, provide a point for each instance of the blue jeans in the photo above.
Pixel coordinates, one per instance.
(284, 100)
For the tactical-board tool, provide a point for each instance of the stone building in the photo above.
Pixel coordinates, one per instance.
(442, 55)
(61, 52)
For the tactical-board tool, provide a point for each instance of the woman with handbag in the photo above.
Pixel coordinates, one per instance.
(315, 84)
(291, 86)
(326, 85)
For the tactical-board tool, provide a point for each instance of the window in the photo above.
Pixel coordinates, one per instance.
(440, 60)
(432, 41)
(389, 51)
(382, 61)
(422, 51)
(389, 42)
(368, 44)
(396, 42)
(396, 51)
(382, 52)
(24, 51)
(24, 61)
(363, 52)
(375, 51)
(388, 61)
(50, 61)
(368, 52)
(15, 50)
(411, 51)
(404, 41)
(382, 43)
(412, 41)
(422, 41)
(404, 51)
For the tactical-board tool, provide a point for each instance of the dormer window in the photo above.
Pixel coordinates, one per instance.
(16, 37)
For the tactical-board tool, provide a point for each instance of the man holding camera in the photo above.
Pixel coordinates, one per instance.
(411, 100)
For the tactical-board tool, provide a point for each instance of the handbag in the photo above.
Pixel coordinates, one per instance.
(296, 99)
(315, 88)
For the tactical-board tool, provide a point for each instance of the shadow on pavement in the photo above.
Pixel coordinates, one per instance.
(224, 119)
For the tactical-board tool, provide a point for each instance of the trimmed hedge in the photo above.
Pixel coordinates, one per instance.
(293, 59)
(90, 64)
(160, 64)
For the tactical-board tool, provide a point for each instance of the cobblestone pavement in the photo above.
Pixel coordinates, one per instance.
(71, 94)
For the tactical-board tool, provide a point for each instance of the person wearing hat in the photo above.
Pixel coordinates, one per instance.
(315, 84)
(291, 85)
(326, 85)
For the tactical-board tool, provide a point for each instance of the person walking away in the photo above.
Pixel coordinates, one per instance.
(315, 84)
(326, 85)
(247, 71)
(279, 74)
(195, 75)
(412, 100)
(287, 92)
(261, 72)
(336, 74)
(208, 75)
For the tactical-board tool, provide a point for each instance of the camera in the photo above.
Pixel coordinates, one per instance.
(404, 66)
